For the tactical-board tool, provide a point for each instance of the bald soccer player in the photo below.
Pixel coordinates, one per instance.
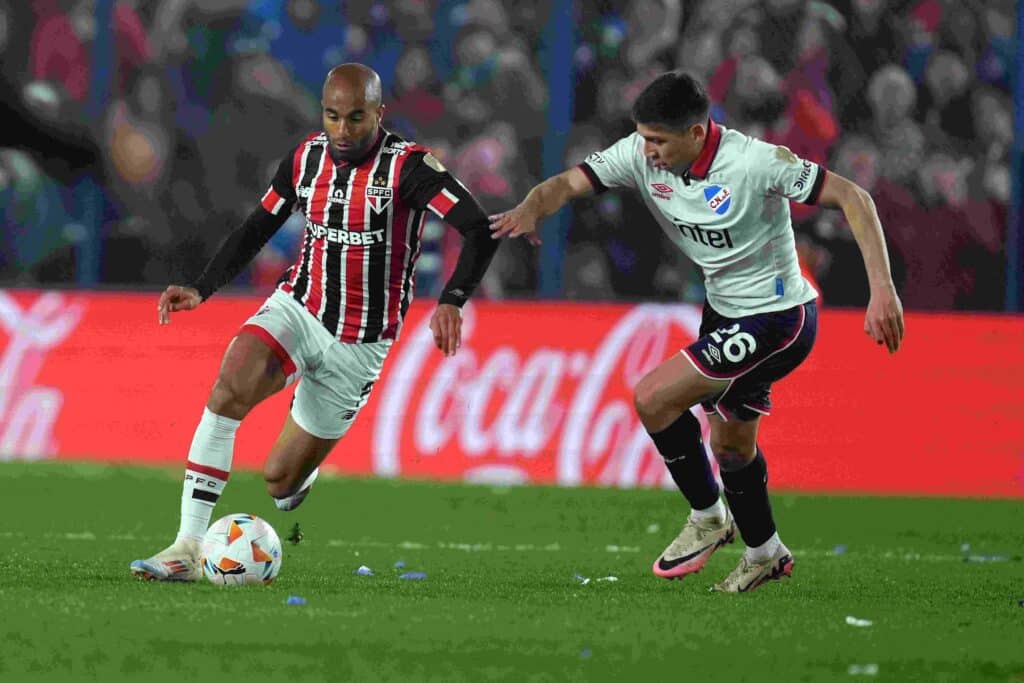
(364, 193)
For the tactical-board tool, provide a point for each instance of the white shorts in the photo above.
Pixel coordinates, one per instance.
(336, 377)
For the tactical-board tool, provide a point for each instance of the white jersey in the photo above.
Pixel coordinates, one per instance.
(729, 213)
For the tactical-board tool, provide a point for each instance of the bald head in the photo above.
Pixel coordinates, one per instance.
(352, 110)
(355, 78)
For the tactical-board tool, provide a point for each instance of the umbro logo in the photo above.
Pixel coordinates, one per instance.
(661, 190)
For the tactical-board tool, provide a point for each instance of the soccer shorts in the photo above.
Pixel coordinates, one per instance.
(751, 353)
(336, 378)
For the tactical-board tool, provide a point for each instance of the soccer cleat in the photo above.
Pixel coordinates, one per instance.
(295, 500)
(694, 545)
(749, 575)
(179, 562)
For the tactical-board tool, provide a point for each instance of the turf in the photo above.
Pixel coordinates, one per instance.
(503, 598)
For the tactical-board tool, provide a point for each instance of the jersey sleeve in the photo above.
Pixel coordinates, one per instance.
(427, 185)
(779, 171)
(280, 196)
(616, 166)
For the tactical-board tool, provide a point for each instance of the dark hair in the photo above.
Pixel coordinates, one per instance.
(674, 100)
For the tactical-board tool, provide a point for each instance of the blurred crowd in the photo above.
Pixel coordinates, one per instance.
(145, 131)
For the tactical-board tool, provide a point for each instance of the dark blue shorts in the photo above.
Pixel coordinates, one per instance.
(751, 353)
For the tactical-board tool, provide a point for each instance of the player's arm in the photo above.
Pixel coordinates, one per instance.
(425, 184)
(543, 200)
(237, 249)
(884, 319)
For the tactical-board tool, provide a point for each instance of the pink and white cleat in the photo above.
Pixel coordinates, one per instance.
(694, 545)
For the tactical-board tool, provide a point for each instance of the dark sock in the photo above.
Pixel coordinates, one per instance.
(683, 450)
(747, 492)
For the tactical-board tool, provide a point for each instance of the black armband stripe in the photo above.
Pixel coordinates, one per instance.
(599, 187)
(819, 182)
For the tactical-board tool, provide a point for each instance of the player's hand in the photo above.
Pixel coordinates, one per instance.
(884, 319)
(177, 298)
(446, 324)
(515, 223)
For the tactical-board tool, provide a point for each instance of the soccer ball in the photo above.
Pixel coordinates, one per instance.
(240, 549)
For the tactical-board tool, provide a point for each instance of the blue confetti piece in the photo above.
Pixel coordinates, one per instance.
(295, 600)
(839, 549)
(399, 564)
(363, 571)
(585, 653)
(413, 575)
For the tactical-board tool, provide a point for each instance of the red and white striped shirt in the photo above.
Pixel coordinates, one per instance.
(364, 224)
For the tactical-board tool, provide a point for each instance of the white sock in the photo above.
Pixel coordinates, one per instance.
(764, 551)
(716, 511)
(206, 472)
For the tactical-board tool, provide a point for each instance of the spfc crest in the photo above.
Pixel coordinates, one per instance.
(379, 197)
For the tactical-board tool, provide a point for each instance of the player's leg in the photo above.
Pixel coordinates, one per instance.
(771, 346)
(250, 371)
(745, 477)
(326, 403)
(663, 399)
(292, 466)
(255, 366)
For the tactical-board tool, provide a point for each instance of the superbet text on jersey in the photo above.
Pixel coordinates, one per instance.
(729, 213)
(364, 222)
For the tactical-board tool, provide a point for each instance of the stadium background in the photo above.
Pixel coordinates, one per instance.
(143, 131)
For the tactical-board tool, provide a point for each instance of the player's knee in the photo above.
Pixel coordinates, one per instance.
(647, 398)
(231, 397)
(731, 457)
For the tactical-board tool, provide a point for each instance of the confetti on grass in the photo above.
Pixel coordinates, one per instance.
(295, 600)
(363, 571)
(863, 670)
(413, 575)
(854, 621)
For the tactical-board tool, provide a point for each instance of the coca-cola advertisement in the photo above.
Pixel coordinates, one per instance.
(538, 393)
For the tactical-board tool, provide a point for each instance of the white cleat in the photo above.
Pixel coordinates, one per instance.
(295, 500)
(690, 551)
(750, 575)
(178, 562)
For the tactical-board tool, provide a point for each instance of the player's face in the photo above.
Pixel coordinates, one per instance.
(350, 121)
(671, 150)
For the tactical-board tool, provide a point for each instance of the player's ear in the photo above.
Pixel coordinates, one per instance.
(699, 131)
(380, 111)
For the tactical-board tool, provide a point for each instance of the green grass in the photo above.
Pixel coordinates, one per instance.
(500, 601)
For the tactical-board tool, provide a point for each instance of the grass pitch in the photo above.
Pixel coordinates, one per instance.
(504, 596)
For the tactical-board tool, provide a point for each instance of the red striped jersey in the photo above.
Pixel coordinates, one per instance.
(364, 223)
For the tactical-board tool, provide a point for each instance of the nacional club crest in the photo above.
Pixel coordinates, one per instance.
(379, 197)
(718, 198)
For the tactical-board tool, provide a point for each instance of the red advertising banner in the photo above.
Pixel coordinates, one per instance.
(539, 393)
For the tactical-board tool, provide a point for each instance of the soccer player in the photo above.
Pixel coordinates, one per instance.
(723, 199)
(334, 315)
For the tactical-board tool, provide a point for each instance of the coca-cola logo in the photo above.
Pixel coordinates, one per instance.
(521, 411)
(28, 411)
